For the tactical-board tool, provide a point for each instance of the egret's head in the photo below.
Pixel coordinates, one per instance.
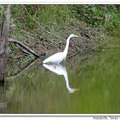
(73, 35)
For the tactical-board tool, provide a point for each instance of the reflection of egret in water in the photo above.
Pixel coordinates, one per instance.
(61, 70)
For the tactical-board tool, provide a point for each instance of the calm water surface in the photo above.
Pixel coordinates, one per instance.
(91, 86)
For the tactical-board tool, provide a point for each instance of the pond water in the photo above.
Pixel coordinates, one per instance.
(90, 86)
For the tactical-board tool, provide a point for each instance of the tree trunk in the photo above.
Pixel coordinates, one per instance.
(4, 43)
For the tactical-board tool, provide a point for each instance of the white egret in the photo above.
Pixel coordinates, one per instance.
(60, 70)
(59, 57)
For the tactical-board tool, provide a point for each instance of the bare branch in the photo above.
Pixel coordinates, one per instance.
(25, 47)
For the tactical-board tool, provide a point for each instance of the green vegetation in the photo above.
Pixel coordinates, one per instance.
(32, 16)
(58, 19)
(103, 16)
(55, 17)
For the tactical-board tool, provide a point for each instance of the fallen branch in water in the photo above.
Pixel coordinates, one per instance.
(26, 47)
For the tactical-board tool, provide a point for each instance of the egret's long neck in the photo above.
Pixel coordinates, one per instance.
(67, 46)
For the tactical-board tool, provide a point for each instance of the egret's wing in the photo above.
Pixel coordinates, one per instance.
(53, 58)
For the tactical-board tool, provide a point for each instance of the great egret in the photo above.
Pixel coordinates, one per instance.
(59, 57)
(61, 70)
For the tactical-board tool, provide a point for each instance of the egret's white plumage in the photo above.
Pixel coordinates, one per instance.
(59, 57)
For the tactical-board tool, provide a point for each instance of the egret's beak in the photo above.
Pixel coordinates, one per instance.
(76, 89)
(76, 36)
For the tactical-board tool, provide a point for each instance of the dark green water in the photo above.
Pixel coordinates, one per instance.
(38, 90)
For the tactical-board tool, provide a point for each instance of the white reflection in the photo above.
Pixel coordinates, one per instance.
(60, 70)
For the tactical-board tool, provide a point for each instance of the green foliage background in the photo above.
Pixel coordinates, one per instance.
(103, 16)
(59, 16)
